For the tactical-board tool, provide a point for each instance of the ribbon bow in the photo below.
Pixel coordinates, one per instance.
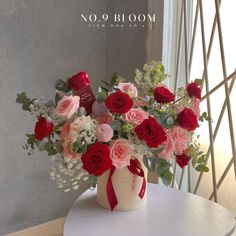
(136, 169)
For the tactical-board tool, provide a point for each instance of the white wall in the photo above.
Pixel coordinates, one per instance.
(41, 41)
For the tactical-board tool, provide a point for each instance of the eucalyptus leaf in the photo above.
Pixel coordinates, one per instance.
(62, 85)
(166, 178)
(202, 168)
(116, 125)
(25, 101)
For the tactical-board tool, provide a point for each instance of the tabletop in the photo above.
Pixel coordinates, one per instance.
(169, 212)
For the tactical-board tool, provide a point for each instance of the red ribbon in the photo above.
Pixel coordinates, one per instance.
(136, 169)
(111, 195)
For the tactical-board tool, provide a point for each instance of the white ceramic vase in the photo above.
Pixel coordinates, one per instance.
(126, 186)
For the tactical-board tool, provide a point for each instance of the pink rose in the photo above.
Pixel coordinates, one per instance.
(104, 133)
(180, 138)
(67, 106)
(135, 116)
(65, 130)
(67, 151)
(196, 107)
(120, 153)
(128, 88)
(169, 147)
(99, 109)
(107, 119)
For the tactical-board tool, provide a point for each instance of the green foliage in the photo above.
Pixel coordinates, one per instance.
(163, 171)
(62, 85)
(205, 116)
(25, 101)
(167, 119)
(78, 147)
(202, 168)
(198, 81)
(150, 163)
(199, 159)
(31, 140)
(30, 143)
(116, 79)
(108, 87)
(153, 74)
(161, 167)
(102, 94)
(116, 125)
(127, 128)
(50, 148)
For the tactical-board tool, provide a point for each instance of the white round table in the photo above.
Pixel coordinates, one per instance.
(169, 212)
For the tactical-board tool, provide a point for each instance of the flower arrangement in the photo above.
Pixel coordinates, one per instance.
(87, 135)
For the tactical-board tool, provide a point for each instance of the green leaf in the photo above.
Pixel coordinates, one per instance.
(101, 97)
(198, 81)
(114, 79)
(202, 167)
(31, 141)
(205, 116)
(102, 94)
(163, 171)
(161, 68)
(78, 147)
(150, 163)
(49, 147)
(166, 178)
(116, 125)
(62, 85)
(22, 99)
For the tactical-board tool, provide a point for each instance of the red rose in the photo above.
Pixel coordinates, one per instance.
(187, 119)
(119, 102)
(79, 81)
(151, 132)
(194, 90)
(163, 95)
(97, 159)
(182, 160)
(42, 128)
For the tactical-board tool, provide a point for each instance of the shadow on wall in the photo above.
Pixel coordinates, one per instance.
(41, 41)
